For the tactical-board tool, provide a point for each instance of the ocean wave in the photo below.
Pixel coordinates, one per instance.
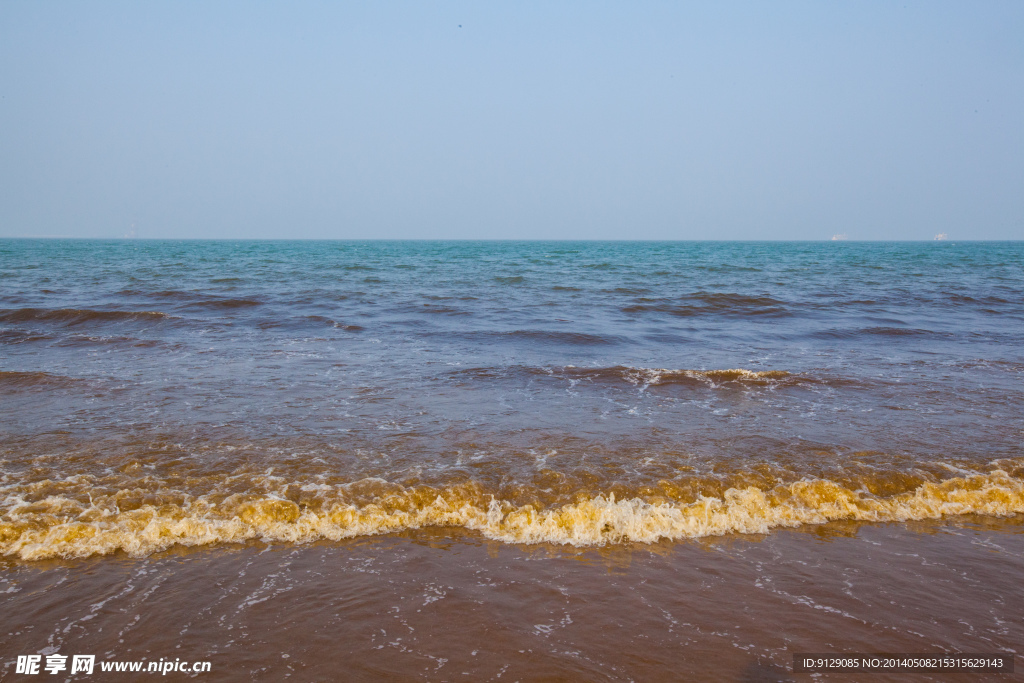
(544, 337)
(640, 376)
(141, 522)
(223, 303)
(711, 303)
(73, 340)
(664, 376)
(333, 323)
(876, 332)
(75, 316)
(895, 331)
(574, 338)
(194, 299)
(655, 376)
(989, 300)
(161, 294)
(29, 380)
(12, 336)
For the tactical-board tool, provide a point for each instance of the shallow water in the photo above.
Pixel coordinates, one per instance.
(444, 605)
(191, 393)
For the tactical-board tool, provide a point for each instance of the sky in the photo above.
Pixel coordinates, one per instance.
(525, 120)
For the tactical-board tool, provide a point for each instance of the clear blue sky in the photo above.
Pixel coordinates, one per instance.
(658, 120)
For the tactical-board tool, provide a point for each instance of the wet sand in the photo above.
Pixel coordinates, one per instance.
(449, 605)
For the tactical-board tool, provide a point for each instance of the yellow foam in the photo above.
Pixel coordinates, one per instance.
(63, 526)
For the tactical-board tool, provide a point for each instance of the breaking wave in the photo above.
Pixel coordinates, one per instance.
(71, 524)
(665, 376)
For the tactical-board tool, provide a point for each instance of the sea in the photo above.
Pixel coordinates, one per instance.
(501, 460)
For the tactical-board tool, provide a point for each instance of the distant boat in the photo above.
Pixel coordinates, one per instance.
(941, 236)
(839, 237)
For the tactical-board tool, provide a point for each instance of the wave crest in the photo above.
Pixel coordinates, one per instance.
(65, 526)
(74, 316)
(27, 380)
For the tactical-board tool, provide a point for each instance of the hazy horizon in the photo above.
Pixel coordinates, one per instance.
(480, 239)
(593, 121)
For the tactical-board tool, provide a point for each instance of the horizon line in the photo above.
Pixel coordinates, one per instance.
(466, 239)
